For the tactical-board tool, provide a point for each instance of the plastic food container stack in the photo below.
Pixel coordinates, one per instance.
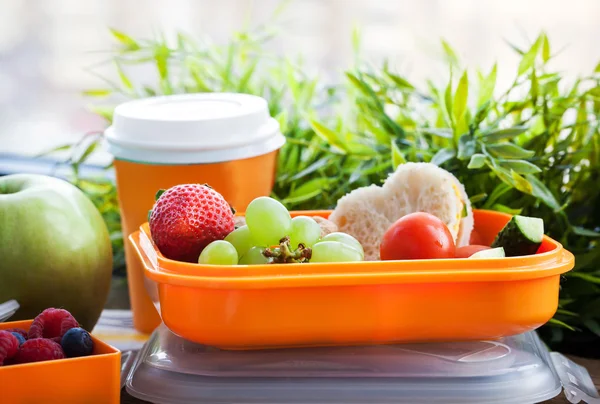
(511, 370)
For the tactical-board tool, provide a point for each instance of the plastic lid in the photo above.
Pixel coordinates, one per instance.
(512, 370)
(193, 128)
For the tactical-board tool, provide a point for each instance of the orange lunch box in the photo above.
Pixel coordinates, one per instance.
(376, 302)
(93, 379)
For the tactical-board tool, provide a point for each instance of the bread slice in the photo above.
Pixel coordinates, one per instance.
(366, 213)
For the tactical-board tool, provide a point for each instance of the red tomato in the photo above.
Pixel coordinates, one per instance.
(475, 238)
(417, 236)
(468, 250)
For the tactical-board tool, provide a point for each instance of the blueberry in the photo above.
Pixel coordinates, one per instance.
(77, 342)
(19, 337)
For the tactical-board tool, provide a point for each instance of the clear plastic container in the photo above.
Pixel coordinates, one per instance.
(517, 369)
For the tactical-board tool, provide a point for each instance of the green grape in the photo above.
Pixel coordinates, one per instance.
(241, 239)
(346, 239)
(254, 256)
(304, 230)
(268, 220)
(334, 251)
(219, 252)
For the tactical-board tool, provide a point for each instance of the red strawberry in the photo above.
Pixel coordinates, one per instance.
(186, 218)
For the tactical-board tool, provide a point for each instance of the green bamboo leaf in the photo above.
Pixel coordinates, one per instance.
(442, 156)
(439, 132)
(509, 150)
(460, 97)
(466, 147)
(592, 325)
(124, 79)
(397, 156)
(535, 87)
(448, 98)
(57, 149)
(498, 191)
(477, 161)
(521, 183)
(97, 92)
(399, 81)
(487, 86)
(246, 76)
(585, 277)
(161, 57)
(308, 188)
(503, 208)
(317, 165)
(451, 56)
(514, 47)
(129, 43)
(501, 134)
(519, 166)
(88, 151)
(477, 198)
(580, 231)
(542, 192)
(105, 112)
(356, 40)
(528, 59)
(546, 49)
(559, 323)
(597, 69)
(327, 134)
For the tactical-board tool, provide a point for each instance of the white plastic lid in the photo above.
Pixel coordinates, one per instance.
(193, 129)
(513, 370)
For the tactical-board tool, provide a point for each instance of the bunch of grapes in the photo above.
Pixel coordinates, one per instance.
(270, 235)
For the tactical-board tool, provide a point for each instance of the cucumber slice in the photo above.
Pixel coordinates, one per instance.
(522, 235)
(497, 252)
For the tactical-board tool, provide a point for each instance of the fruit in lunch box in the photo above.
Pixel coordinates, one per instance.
(417, 236)
(305, 230)
(241, 239)
(39, 350)
(219, 252)
(468, 250)
(345, 239)
(522, 235)
(9, 346)
(254, 256)
(186, 218)
(52, 324)
(55, 248)
(19, 337)
(334, 251)
(367, 213)
(497, 252)
(77, 342)
(268, 220)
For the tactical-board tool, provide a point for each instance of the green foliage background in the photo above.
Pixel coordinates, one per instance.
(532, 148)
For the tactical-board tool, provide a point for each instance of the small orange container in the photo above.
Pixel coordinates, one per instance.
(93, 379)
(377, 302)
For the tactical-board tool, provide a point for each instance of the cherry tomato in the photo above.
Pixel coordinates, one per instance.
(475, 238)
(468, 250)
(417, 236)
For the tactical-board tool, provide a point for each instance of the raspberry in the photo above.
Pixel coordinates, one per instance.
(38, 350)
(9, 345)
(77, 342)
(52, 324)
(18, 331)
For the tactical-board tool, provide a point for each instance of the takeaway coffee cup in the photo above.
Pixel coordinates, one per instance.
(226, 140)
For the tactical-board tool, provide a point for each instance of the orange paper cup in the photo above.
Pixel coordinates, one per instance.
(375, 302)
(228, 141)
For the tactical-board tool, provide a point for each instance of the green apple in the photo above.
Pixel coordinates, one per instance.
(55, 250)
